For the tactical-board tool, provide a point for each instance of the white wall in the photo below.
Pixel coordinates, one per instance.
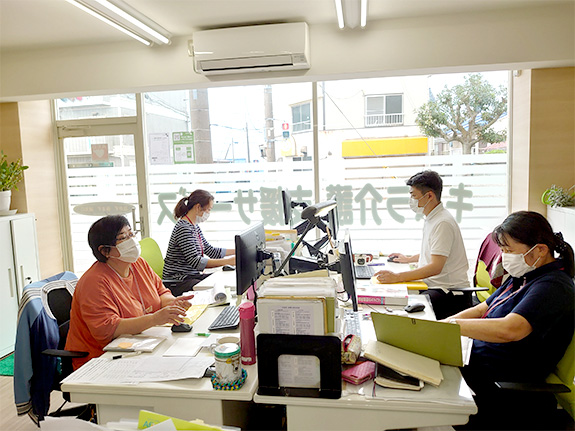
(515, 39)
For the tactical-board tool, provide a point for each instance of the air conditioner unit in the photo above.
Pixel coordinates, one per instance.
(258, 48)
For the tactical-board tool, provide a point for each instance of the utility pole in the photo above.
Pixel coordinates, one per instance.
(269, 129)
(200, 119)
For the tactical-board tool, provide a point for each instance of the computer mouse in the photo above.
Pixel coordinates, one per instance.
(391, 259)
(228, 268)
(413, 308)
(182, 327)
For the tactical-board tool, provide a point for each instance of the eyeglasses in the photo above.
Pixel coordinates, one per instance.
(126, 236)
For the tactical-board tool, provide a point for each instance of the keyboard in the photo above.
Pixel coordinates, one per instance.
(364, 272)
(351, 322)
(229, 318)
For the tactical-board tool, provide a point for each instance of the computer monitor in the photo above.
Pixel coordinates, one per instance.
(286, 201)
(348, 270)
(250, 247)
(333, 222)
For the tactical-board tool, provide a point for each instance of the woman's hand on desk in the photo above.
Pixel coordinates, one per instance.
(387, 277)
(183, 301)
(169, 314)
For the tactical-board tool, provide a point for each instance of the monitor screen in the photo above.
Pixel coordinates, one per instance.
(333, 222)
(348, 270)
(249, 259)
(286, 201)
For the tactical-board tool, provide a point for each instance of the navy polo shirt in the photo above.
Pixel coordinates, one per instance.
(547, 302)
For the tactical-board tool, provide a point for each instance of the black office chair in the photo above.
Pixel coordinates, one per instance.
(37, 374)
(59, 305)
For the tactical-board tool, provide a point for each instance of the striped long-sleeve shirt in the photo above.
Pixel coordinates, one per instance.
(188, 252)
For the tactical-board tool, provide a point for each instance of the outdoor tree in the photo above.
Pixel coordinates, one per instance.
(465, 113)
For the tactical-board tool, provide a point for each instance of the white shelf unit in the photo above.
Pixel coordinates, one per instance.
(19, 266)
(562, 220)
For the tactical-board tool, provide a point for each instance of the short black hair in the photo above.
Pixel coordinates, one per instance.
(426, 181)
(104, 232)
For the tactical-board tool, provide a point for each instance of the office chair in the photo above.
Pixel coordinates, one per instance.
(560, 383)
(489, 270)
(38, 368)
(153, 255)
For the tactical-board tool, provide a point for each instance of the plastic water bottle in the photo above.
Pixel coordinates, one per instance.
(247, 337)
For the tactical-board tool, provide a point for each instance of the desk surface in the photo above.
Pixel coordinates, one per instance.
(195, 398)
(186, 399)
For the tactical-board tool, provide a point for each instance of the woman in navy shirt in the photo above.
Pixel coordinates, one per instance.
(523, 329)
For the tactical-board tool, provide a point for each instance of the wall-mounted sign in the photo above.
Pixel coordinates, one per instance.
(184, 149)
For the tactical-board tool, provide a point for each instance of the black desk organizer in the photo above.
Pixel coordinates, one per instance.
(326, 348)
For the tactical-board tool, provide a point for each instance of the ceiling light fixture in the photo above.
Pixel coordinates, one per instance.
(351, 13)
(126, 19)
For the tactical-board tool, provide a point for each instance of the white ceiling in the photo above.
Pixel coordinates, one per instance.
(33, 24)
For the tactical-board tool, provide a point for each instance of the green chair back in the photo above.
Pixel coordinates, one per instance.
(483, 279)
(153, 255)
(565, 373)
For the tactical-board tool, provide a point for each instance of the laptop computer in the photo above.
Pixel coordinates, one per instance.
(436, 340)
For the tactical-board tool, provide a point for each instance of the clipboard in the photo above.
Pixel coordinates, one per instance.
(436, 340)
(326, 348)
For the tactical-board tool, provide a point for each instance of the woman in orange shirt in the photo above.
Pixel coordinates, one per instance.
(119, 294)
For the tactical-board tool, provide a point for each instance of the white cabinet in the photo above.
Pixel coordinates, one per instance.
(19, 266)
(562, 219)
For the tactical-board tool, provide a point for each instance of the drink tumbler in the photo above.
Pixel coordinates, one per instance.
(247, 337)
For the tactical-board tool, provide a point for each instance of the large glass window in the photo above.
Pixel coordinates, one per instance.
(93, 107)
(245, 144)
(242, 150)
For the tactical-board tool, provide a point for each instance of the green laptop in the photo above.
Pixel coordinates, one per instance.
(436, 340)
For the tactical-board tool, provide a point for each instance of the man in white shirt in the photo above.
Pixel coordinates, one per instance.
(442, 261)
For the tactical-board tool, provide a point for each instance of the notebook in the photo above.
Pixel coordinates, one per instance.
(436, 340)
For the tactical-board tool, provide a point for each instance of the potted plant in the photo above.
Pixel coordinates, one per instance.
(11, 173)
(556, 196)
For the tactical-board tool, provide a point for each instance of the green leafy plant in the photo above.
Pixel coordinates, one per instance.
(558, 197)
(10, 173)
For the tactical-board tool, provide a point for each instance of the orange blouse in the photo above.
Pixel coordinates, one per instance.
(102, 298)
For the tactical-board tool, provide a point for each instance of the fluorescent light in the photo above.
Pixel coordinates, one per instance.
(120, 19)
(339, 12)
(134, 21)
(351, 13)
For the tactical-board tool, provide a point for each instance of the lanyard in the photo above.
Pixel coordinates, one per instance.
(199, 237)
(498, 301)
(128, 289)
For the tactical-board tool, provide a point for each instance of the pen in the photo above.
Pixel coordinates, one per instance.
(376, 264)
(126, 355)
(202, 334)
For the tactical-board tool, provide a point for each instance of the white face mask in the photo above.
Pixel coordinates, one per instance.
(129, 250)
(414, 205)
(203, 218)
(515, 264)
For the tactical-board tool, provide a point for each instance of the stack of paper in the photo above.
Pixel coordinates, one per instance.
(382, 294)
(298, 306)
(405, 362)
(217, 295)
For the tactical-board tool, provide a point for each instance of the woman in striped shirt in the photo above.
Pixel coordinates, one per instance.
(189, 253)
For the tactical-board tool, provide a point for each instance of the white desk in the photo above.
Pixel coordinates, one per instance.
(354, 411)
(185, 399)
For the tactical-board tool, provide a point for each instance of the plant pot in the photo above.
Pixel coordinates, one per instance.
(5, 198)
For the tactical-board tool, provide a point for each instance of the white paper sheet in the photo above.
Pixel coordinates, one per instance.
(149, 369)
(185, 347)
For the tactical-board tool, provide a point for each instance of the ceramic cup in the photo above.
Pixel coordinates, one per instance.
(223, 339)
